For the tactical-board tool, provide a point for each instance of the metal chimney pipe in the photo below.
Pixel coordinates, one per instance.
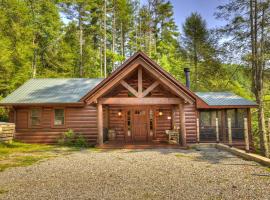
(187, 74)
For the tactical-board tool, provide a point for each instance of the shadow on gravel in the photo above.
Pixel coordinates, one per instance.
(208, 155)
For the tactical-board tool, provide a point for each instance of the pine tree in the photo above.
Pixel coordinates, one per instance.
(195, 38)
(246, 23)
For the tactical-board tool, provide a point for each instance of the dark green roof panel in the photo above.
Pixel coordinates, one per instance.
(224, 99)
(52, 90)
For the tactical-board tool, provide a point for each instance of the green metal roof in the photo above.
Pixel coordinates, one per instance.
(71, 90)
(224, 99)
(51, 90)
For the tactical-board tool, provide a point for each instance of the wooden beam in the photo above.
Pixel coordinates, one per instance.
(217, 130)
(230, 131)
(150, 88)
(165, 81)
(129, 88)
(105, 87)
(89, 98)
(182, 124)
(140, 84)
(100, 123)
(140, 101)
(246, 134)
(198, 130)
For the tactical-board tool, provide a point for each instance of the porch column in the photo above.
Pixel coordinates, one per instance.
(100, 123)
(182, 124)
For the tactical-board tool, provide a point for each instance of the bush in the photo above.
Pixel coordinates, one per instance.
(80, 141)
(3, 115)
(70, 139)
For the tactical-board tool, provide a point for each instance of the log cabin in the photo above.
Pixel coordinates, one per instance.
(138, 103)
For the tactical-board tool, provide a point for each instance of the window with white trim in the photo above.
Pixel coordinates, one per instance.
(35, 117)
(59, 117)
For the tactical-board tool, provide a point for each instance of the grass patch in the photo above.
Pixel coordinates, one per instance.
(180, 155)
(2, 191)
(95, 149)
(17, 154)
(15, 147)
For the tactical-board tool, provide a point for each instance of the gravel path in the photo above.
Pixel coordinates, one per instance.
(139, 174)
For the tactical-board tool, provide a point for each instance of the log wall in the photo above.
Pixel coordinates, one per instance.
(82, 120)
(6, 131)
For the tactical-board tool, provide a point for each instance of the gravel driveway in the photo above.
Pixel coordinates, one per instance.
(139, 174)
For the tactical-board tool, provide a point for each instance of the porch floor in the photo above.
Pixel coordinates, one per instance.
(139, 145)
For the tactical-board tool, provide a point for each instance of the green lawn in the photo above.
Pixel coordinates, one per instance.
(17, 154)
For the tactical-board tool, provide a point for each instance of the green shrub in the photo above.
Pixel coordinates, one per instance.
(80, 141)
(69, 138)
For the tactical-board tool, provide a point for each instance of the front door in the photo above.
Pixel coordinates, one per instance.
(140, 125)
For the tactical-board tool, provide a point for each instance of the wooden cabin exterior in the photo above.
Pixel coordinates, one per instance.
(138, 102)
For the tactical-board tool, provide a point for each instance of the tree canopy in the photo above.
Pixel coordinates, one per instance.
(91, 38)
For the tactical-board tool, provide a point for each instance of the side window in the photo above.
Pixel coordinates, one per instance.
(35, 117)
(59, 117)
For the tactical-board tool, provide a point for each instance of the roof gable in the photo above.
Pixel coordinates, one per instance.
(139, 60)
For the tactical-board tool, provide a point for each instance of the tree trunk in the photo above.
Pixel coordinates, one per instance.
(195, 60)
(81, 41)
(122, 40)
(105, 38)
(113, 36)
(34, 61)
(257, 73)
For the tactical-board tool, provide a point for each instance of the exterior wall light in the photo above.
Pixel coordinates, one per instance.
(160, 113)
(169, 117)
(119, 113)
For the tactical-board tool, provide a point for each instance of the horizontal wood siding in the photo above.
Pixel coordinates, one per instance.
(190, 122)
(163, 123)
(116, 122)
(82, 121)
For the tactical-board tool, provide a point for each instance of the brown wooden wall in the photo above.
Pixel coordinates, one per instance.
(116, 122)
(163, 123)
(82, 120)
(191, 123)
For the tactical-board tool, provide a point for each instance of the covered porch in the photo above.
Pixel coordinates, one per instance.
(143, 124)
(142, 108)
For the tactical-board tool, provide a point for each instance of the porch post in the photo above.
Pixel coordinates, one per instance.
(230, 131)
(100, 123)
(246, 134)
(198, 130)
(217, 130)
(182, 124)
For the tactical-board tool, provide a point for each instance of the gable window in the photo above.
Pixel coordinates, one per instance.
(59, 117)
(35, 117)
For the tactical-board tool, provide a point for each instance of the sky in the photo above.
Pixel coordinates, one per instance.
(183, 8)
(207, 8)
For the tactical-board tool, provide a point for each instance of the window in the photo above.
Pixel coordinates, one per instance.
(35, 116)
(208, 118)
(237, 122)
(151, 119)
(129, 123)
(237, 117)
(59, 117)
(208, 124)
